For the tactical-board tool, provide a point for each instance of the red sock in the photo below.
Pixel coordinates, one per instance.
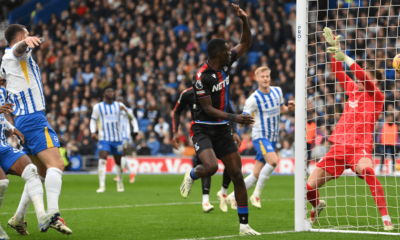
(376, 189)
(312, 196)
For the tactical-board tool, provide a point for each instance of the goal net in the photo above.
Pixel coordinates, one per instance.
(369, 32)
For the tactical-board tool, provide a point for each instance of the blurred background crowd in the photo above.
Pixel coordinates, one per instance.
(149, 50)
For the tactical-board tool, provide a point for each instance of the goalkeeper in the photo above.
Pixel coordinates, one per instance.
(353, 135)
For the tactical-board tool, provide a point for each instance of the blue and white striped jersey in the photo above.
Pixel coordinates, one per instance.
(126, 127)
(4, 124)
(109, 118)
(24, 83)
(266, 110)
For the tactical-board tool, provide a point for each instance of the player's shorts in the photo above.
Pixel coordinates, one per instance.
(8, 156)
(217, 137)
(263, 146)
(116, 148)
(37, 132)
(341, 157)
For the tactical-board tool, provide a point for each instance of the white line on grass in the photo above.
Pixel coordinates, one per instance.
(230, 236)
(146, 205)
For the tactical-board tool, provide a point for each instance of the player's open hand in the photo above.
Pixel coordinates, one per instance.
(237, 139)
(6, 108)
(291, 105)
(339, 55)
(330, 38)
(95, 137)
(244, 119)
(19, 135)
(240, 13)
(33, 42)
(175, 141)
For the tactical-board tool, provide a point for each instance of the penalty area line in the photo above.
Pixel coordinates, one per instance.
(231, 236)
(144, 205)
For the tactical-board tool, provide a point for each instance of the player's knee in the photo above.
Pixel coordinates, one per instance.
(274, 164)
(211, 169)
(368, 172)
(59, 164)
(237, 174)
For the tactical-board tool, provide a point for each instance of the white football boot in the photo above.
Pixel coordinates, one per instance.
(222, 201)
(247, 230)
(101, 190)
(186, 185)
(207, 207)
(255, 201)
(316, 211)
(231, 201)
(18, 226)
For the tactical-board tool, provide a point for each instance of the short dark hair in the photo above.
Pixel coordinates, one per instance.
(214, 46)
(12, 31)
(107, 87)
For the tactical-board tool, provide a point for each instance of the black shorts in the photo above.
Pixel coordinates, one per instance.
(217, 137)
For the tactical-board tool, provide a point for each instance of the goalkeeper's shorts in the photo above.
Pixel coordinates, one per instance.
(341, 157)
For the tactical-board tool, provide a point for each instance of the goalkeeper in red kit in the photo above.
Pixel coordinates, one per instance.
(353, 135)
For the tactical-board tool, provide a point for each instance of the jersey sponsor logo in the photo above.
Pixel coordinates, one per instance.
(200, 92)
(353, 104)
(199, 84)
(219, 86)
(196, 146)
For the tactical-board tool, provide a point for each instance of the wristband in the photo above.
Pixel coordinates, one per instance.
(231, 117)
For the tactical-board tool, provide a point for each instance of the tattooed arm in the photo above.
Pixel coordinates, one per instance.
(20, 47)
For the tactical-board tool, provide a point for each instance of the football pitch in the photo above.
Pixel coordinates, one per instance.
(152, 208)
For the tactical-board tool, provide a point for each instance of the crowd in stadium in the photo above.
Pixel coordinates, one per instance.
(149, 52)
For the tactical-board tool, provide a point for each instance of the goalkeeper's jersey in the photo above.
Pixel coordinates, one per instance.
(266, 110)
(356, 125)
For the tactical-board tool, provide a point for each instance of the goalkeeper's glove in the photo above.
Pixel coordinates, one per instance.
(340, 56)
(330, 38)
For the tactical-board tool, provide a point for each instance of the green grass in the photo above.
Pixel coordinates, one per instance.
(140, 219)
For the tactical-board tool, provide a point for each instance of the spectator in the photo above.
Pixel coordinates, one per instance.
(143, 149)
(161, 128)
(286, 151)
(166, 146)
(153, 144)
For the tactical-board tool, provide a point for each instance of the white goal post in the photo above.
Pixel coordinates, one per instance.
(354, 210)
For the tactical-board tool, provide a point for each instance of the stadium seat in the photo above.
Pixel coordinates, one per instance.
(143, 123)
(253, 58)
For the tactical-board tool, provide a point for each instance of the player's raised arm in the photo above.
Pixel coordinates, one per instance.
(245, 39)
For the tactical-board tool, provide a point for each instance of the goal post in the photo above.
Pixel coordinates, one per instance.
(370, 32)
(300, 120)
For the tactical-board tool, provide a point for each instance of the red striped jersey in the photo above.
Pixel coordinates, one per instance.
(210, 82)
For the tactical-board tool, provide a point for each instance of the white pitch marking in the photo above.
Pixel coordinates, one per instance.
(230, 236)
(145, 205)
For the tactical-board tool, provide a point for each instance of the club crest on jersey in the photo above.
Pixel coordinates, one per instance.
(353, 104)
(199, 84)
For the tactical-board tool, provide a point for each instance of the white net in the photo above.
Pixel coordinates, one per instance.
(370, 35)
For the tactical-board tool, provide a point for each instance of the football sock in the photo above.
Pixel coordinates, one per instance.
(312, 196)
(192, 176)
(205, 184)
(3, 189)
(224, 191)
(249, 181)
(119, 172)
(206, 198)
(376, 189)
(53, 185)
(226, 179)
(102, 172)
(386, 218)
(33, 188)
(243, 212)
(263, 178)
(25, 203)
